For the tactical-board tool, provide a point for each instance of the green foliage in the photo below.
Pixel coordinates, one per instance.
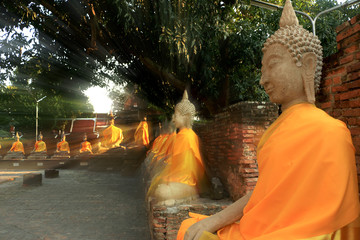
(212, 48)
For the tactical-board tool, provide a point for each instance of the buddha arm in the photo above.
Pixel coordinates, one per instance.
(229, 215)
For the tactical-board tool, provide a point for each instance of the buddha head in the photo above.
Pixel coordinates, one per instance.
(292, 62)
(40, 137)
(184, 113)
(85, 137)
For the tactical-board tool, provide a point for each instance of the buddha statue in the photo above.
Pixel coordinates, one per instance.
(85, 146)
(112, 136)
(183, 178)
(307, 186)
(40, 151)
(16, 151)
(141, 135)
(62, 149)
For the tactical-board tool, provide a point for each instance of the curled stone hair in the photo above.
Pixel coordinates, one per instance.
(185, 107)
(297, 40)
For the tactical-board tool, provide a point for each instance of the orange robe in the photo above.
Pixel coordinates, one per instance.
(63, 146)
(86, 147)
(165, 148)
(113, 136)
(40, 146)
(142, 133)
(17, 147)
(185, 165)
(307, 186)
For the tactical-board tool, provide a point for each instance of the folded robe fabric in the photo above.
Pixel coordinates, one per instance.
(307, 185)
(112, 137)
(40, 146)
(17, 147)
(63, 146)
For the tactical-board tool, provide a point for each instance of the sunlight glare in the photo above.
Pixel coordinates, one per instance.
(99, 98)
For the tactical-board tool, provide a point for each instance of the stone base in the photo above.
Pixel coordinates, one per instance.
(14, 156)
(32, 179)
(60, 156)
(37, 156)
(51, 173)
(165, 221)
(83, 156)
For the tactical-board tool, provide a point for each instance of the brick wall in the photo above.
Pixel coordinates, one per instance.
(340, 89)
(165, 221)
(229, 144)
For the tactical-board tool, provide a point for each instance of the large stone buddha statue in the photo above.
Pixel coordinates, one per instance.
(307, 186)
(184, 176)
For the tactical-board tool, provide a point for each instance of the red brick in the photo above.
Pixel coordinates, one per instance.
(325, 105)
(339, 89)
(351, 121)
(328, 82)
(355, 130)
(355, 19)
(346, 59)
(357, 56)
(350, 40)
(352, 85)
(354, 103)
(351, 112)
(353, 67)
(350, 94)
(348, 32)
(342, 27)
(351, 49)
(337, 71)
(353, 76)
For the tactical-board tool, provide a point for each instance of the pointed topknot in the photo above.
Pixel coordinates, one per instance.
(185, 96)
(17, 135)
(288, 16)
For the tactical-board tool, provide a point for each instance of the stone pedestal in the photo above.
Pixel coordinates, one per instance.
(83, 156)
(14, 156)
(32, 179)
(51, 173)
(37, 156)
(60, 156)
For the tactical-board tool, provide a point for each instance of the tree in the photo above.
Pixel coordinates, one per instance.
(212, 48)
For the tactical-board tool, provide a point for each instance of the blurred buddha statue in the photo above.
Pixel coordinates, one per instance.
(62, 148)
(16, 151)
(183, 178)
(142, 133)
(40, 151)
(112, 135)
(85, 147)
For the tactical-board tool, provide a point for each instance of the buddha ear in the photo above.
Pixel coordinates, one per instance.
(308, 75)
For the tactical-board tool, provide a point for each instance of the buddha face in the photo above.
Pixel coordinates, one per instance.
(179, 120)
(281, 78)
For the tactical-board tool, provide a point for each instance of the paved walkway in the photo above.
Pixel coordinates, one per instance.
(79, 205)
